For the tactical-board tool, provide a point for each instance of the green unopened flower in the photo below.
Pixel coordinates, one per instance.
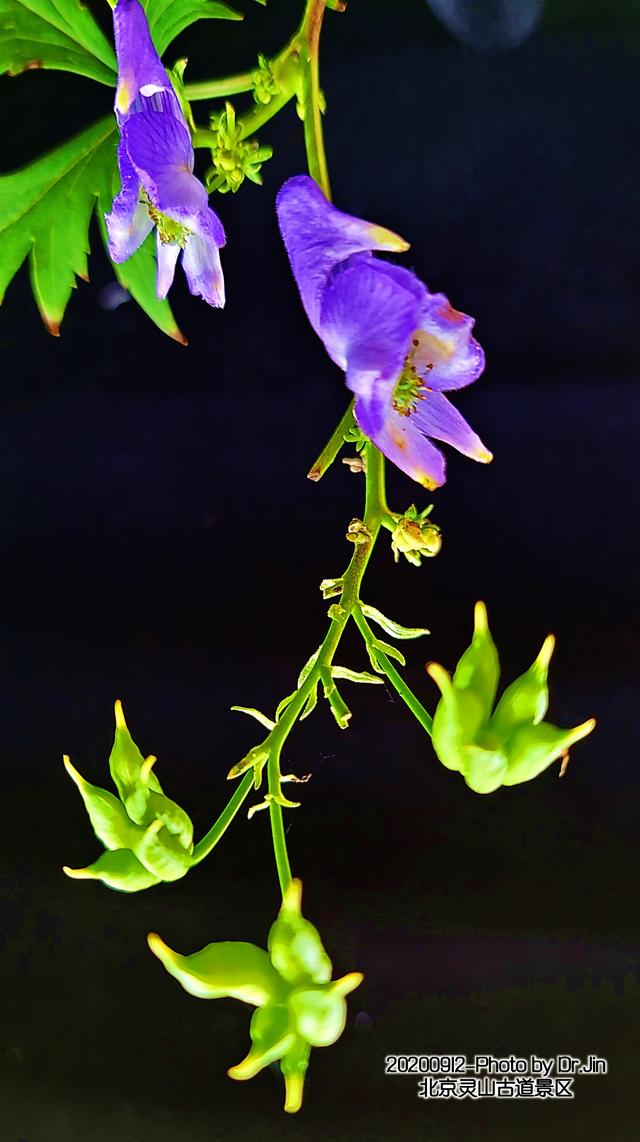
(234, 157)
(502, 746)
(415, 536)
(148, 837)
(298, 1005)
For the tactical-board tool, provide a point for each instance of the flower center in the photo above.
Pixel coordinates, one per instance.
(410, 387)
(169, 231)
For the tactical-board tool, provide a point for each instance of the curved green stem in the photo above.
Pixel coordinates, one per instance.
(396, 679)
(210, 839)
(219, 88)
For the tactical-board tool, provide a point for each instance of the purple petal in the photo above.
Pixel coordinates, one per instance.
(138, 61)
(159, 147)
(317, 236)
(448, 357)
(369, 312)
(201, 258)
(436, 416)
(166, 256)
(128, 223)
(401, 441)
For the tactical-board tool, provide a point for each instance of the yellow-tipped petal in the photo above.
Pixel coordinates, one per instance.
(293, 1091)
(546, 650)
(388, 240)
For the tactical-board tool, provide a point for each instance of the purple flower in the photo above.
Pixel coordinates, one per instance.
(400, 346)
(155, 157)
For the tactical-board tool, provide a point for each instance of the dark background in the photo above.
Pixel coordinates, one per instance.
(161, 544)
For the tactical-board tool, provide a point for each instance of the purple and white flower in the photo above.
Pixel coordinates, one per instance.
(400, 346)
(155, 157)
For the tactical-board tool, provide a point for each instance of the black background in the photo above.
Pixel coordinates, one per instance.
(161, 544)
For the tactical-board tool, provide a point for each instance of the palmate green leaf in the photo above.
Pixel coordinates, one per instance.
(167, 18)
(62, 34)
(57, 34)
(45, 212)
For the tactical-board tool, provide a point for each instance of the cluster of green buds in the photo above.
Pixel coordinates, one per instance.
(510, 744)
(298, 1005)
(234, 157)
(148, 838)
(415, 536)
(265, 81)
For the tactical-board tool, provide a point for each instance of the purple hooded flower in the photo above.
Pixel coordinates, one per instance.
(400, 346)
(155, 157)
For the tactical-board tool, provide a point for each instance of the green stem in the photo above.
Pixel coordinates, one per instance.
(333, 445)
(278, 837)
(219, 88)
(396, 680)
(255, 119)
(313, 137)
(210, 839)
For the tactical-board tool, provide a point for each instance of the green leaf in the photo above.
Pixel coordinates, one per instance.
(396, 630)
(257, 714)
(167, 18)
(57, 34)
(45, 212)
(355, 675)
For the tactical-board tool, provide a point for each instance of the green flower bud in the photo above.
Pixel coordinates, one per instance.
(150, 837)
(415, 536)
(510, 745)
(234, 157)
(298, 1005)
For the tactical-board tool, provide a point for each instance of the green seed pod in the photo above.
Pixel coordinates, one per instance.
(458, 718)
(513, 744)
(107, 814)
(478, 670)
(320, 1013)
(294, 944)
(132, 774)
(294, 1068)
(152, 835)
(272, 1035)
(231, 968)
(120, 870)
(526, 699)
(531, 749)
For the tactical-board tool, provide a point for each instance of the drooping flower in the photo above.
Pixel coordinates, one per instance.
(155, 157)
(298, 1005)
(506, 745)
(400, 346)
